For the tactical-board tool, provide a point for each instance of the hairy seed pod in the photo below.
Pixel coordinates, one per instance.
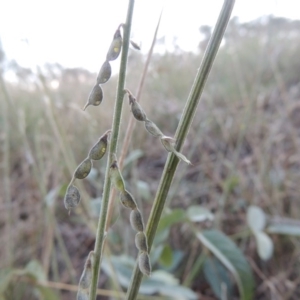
(95, 97)
(127, 200)
(86, 276)
(104, 73)
(136, 220)
(82, 294)
(115, 46)
(72, 197)
(135, 45)
(153, 129)
(83, 169)
(141, 241)
(144, 263)
(116, 177)
(99, 149)
(136, 109)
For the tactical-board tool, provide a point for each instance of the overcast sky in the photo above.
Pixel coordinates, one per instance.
(78, 33)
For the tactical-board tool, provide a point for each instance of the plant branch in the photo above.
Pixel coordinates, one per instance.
(182, 130)
(100, 236)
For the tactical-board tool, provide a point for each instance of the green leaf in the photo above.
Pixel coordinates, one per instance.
(5, 278)
(218, 277)
(47, 293)
(256, 218)
(166, 257)
(197, 213)
(264, 245)
(288, 229)
(144, 190)
(175, 216)
(232, 258)
(35, 270)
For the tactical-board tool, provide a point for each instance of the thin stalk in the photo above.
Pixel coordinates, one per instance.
(112, 150)
(182, 130)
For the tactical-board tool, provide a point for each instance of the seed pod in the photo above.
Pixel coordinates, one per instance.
(82, 295)
(86, 277)
(99, 149)
(115, 46)
(153, 129)
(168, 144)
(72, 197)
(136, 109)
(127, 200)
(116, 177)
(144, 263)
(136, 220)
(83, 169)
(135, 45)
(104, 73)
(95, 97)
(141, 241)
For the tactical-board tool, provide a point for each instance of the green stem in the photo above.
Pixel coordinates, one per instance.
(100, 236)
(182, 130)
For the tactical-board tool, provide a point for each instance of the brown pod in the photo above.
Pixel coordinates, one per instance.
(99, 149)
(141, 241)
(153, 129)
(95, 97)
(104, 73)
(83, 169)
(72, 197)
(144, 263)
(136, 220)
(115, 46)
(136, 109)
(127, 200)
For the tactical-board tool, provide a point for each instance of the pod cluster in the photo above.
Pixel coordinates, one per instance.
(96, 95)
(136, 219)
(86, 278)
(72, 196)
(140, 115)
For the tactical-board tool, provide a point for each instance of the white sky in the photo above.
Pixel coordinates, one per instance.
(78, 33)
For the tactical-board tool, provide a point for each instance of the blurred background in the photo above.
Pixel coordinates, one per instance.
(244, 145)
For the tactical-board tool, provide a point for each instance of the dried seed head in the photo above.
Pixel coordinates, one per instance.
(135, 45)
(168, 143)
(141, 241)
(127, 200)
(136, 109)
(83, 169)
(136, 220)
(116, 177)
(99, 149)
(104, 73)
(144, 263)
(115, 46)
(72, 197)
(86, 277)
(153, 129)
(83, 295)
(95, 97)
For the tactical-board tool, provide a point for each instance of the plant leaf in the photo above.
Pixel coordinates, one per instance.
(166, 257)
(35, 270)
(264, 245)
(197, 213)
(177, 215)
(288, 229)
(232, 258)
(256, 218)
(5, 278)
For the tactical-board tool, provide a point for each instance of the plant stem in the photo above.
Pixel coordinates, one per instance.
(112, 150)
(182, 130)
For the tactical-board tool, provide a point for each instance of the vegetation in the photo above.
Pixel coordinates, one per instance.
(232, 216)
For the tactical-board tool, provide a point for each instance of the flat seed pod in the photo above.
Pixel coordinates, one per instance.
(83, 295)
(153, 129)
(115, 46)
(127, 200)
(86, 277)
(95, 97)
(83, 169)
(136, 220)
(104, 73)
(72, 197)
(141, 241)
(99, 149)
(116, 177)
(144, 263)
(136, 109)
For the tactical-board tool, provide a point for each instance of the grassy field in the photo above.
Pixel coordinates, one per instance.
(244, 146)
